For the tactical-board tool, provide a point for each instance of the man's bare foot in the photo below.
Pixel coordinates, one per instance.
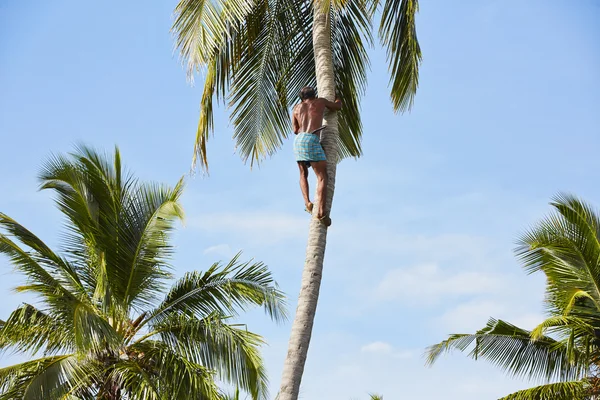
(309, 207)
(325, 220)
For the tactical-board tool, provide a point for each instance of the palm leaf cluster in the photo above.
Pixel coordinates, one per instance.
(258, 54)
(565, 348)
(104, 324)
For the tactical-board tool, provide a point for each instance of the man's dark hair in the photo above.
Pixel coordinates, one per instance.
(307, 93)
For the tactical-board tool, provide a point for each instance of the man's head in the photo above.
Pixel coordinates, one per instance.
(307, 93)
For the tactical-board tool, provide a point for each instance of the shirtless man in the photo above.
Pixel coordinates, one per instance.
(307, 122)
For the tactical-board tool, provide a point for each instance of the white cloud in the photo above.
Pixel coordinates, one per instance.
(404, 354)
(427, 283)
(386, 349)
(527, 321)
(377, 347)
(349, 371)
(219, 249)
(471, 316)
(264, 227)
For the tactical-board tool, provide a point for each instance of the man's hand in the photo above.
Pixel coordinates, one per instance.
(334, 105)
(338, 101)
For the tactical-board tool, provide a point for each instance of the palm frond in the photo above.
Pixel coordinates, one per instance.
(224, 289)
(513, 350)
(572, 324)
(128, 376)
(219, 71)
(44, 255)
(398, 33)
(231, 351)
(351, 34)
(261, 120)
(47, 378)
(576, 390)
(573, 300)
(201, 27)
(152, 220)
(207, 35)
(14, 379)
(29, 330)
(205, 121)
(580, 214)
(565, 248)
(92, 330)
(178, 377)
(46, 285)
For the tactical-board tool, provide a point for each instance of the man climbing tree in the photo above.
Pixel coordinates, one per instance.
(307, 120)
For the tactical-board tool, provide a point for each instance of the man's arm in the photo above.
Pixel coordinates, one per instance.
(333, 105)
(295, 123)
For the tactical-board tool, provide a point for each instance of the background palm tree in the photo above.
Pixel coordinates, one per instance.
(258, 54)
(565, 348)
(104, 325)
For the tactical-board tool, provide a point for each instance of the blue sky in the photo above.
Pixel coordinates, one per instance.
(424, 224)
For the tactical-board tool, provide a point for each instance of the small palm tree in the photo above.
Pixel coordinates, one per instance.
(104, 325)
(565, 348)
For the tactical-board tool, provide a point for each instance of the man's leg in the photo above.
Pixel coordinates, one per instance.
(320, 168)
(304, 184)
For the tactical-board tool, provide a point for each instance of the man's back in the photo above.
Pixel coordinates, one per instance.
(309, 114)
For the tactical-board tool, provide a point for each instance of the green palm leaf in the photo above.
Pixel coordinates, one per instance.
(46, 378)
(29, 330)
(43, 254)
(513, 350)
(398, 33)
(230, 350)
(577, 390)
(201, 27)
(351, 34)
(223, 289)
(174, 374)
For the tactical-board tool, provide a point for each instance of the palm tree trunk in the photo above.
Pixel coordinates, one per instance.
(317, 235)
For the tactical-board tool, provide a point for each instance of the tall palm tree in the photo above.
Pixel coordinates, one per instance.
(257, 55)
(104, 325)
(565, 348)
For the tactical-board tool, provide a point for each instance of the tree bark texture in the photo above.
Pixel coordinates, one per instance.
(317, 236)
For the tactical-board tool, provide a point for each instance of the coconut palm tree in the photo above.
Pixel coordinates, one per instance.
(103, 325)
(564, 349)
(257, 55)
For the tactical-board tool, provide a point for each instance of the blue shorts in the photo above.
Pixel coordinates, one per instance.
(307, 147)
